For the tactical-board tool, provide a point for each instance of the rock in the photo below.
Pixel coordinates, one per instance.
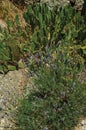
(11, 91)
(81, 125)
(78, 4)
(3, 24)
(52, 3)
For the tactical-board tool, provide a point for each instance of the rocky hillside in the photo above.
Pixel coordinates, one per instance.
(13, 84)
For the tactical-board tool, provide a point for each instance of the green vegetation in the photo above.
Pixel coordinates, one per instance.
(54, 44)
(53, 28)
(57, 102)
(11, 42)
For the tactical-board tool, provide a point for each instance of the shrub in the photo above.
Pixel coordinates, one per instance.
(52, 28)
(57, 102)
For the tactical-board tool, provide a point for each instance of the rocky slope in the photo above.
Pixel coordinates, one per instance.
(13, 85)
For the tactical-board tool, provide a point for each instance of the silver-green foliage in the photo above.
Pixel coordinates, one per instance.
(57, 102)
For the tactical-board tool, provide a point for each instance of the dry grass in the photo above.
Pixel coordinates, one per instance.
(8, 9)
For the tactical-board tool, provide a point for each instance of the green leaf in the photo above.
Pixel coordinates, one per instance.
(17, 20)
(11, 67)
(9, 23)
(40, 19)
(1, 68)
(34, 37)
(3, 57)
(32, 47)
(21, 64)
(84, 52)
